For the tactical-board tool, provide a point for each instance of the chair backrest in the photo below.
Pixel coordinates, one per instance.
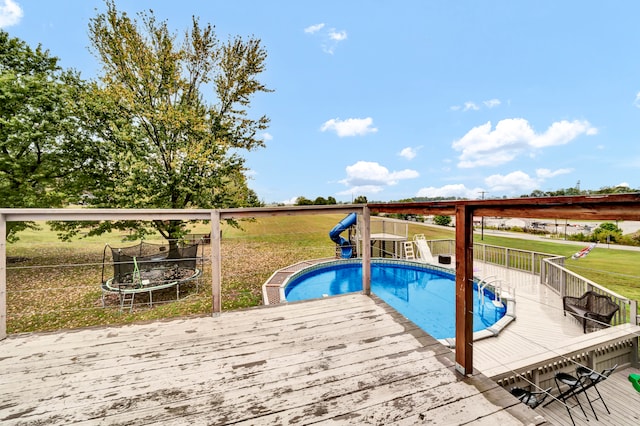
(532, 399)
(600, 303)
(606, 373)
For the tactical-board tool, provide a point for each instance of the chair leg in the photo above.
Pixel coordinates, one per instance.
(601, 399)
(564, 396)
(584, 391)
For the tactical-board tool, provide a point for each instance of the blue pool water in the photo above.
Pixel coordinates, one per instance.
(425, 296)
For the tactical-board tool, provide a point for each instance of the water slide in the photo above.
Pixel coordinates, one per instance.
(343, 225)
(424, 254)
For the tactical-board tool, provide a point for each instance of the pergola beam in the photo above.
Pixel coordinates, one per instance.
(601, 207)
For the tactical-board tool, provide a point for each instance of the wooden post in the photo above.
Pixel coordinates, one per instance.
(216, 262)
(366, 251)
(464, 290)
(633, 307)
(3, 277)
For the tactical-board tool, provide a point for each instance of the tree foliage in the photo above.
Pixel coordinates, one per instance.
(442, 220)
(607, 232)
(319, 201)
(41, 144)
(171, 117)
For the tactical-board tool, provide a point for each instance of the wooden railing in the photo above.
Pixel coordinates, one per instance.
(521, 260)
(568, 283)
(213, 216)
(550, 268)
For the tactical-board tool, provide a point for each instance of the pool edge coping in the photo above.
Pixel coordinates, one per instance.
(280, 278)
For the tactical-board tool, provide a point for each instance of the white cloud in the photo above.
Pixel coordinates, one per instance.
(450, 191)
(290, 201)
(492, 103)
(337, 35)
(482, 146)
(514, 182)
(361, 190)
(547, 174)
(637, 100)
(371, 177)
(330, 37)
(623, 185)
(563, 132)
(350, 126)
(314, 28)
(266, 136)
(470, 106)
(519, 182)
(10, 13)
(409, 153)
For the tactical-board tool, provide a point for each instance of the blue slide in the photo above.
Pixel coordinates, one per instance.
(334, 234)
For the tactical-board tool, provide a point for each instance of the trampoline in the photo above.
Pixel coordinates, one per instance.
(147, 268)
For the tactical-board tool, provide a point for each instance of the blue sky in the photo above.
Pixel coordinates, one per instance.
(393, 100)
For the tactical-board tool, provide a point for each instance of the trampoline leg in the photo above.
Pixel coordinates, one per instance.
(123, 299)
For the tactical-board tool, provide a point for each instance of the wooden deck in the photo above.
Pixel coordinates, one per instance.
(540, 328)
(622, 400)
(344, 360)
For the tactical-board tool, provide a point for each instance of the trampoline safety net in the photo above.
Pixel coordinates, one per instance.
(171, 264)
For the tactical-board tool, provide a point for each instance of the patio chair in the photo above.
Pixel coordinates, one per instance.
(591, 308)
(593, 379)
(531, 398)
(574, 387)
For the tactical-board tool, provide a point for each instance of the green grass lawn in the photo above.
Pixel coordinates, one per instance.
(56, 285)
(617, 270)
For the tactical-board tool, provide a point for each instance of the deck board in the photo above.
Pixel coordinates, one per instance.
(345, 360)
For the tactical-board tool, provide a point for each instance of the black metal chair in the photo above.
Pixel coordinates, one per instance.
(531, 398)
(593, 379)
(573, 387)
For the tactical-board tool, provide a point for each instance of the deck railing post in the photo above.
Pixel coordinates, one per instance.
(216, 263)
(506, 258)
(464, 290)
(3, 277)
(366, 251)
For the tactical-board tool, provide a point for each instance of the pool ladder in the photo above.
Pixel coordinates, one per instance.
(494, 282)
(499, 292)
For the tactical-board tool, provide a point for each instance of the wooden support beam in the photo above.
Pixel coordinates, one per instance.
(366, 251)
(464, 289)
(216, 263)
(3, 277)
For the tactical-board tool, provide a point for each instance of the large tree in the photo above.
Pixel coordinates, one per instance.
(41, 144)
(171, 117)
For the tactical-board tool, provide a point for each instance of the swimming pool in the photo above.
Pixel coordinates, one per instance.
(425, 295)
